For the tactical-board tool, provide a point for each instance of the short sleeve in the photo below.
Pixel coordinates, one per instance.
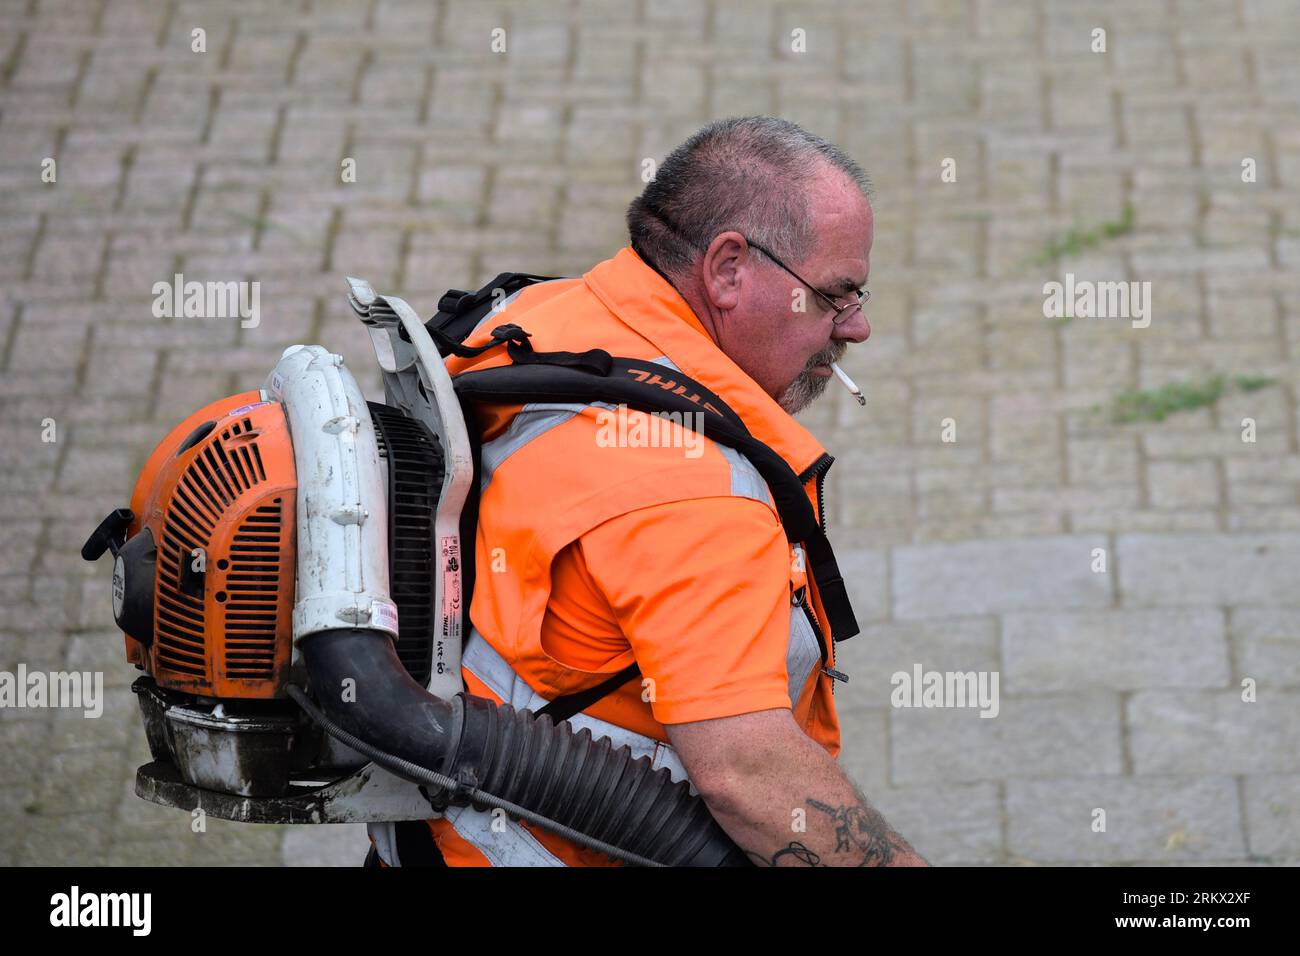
(701, 590)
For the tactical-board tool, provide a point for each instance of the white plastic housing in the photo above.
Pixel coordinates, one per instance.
(342, 519)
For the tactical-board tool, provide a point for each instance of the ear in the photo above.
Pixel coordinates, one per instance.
(723, 270)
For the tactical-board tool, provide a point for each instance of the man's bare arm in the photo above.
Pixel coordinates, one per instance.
(781, 797)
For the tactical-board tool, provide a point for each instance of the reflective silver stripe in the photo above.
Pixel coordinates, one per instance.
(482, 660)
(495, 311)
(802, 654)
(385, 837)
(746, 482)
(508, 844)
(537, 418)
(533, 421)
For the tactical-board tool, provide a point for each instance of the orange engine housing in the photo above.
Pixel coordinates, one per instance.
(219, 494)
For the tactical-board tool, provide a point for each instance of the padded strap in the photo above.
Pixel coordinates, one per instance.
(650, 388)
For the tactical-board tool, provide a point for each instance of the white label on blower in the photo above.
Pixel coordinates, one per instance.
(449, 547)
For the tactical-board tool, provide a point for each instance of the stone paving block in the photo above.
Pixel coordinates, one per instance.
(946, 340)
(1196, 440)
(1024, 473)
(24, 746)
(1085, 498)
(1264, 519)
(1245, 493)
(147, 853)
(882, 650)
(1146, 818)
(39, 344)
(526, 204)
(1273, 815)
(948, 825)
(1269, 412)
(343, 844)
(79, 781)
(1203, 732)
(226, 842)
(1210, 569)
(1045, 652)
(864, 743)
(456, 190)
(69, 263)
(374, 254)
(1018, 526)
(71, 730)
(1102, 460)
(1267, 644)
(1021, 426)
(138, 819)
(181, 394)
(980, 577)
(950, 506)
(75, 839)
(113, 371)
(1030, 737)
(14, 801)
(18, 558)
(85, 468)
(866, 575)
(38, 607)
(1014, 350)
(1183, 484)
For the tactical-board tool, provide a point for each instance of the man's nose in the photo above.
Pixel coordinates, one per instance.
(855, 328)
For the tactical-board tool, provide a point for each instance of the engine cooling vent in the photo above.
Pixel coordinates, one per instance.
(252, 606)
(415, 466)
(215, 478)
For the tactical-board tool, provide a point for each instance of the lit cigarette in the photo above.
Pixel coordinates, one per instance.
(848, 383)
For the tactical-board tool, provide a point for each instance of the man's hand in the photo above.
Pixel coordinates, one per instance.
(757, 771)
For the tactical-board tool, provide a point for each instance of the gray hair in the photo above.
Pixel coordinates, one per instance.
(750, 174)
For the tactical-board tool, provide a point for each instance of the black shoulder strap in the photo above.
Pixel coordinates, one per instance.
(650, 387)
(596, 376)
(459, 312)
(562, 708)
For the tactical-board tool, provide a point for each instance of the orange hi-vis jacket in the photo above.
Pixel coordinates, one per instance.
(606, 538)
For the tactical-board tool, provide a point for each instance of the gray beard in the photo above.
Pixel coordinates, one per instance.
(807, 387)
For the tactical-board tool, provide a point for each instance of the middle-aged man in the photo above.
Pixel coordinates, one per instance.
(748, 255)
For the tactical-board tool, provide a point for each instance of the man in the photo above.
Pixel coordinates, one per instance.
(748, 253)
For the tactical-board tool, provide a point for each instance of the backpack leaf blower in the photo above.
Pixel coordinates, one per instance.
(289, 580)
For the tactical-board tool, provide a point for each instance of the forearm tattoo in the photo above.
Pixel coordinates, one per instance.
(796, 851)
(860, 832)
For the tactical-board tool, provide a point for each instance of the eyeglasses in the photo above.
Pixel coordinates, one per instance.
(842, 312)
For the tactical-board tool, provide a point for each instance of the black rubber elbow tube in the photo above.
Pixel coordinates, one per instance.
(551, 770)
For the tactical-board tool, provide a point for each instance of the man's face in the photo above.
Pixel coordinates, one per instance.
(758, 323)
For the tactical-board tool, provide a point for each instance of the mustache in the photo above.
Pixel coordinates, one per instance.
(831, 353)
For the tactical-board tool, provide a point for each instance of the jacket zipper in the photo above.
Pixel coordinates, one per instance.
(801, 600)
(818, 470)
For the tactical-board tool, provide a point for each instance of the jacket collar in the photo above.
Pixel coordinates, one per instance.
(646, 302)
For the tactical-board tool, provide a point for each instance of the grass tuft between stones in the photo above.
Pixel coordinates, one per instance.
(1157, 404)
